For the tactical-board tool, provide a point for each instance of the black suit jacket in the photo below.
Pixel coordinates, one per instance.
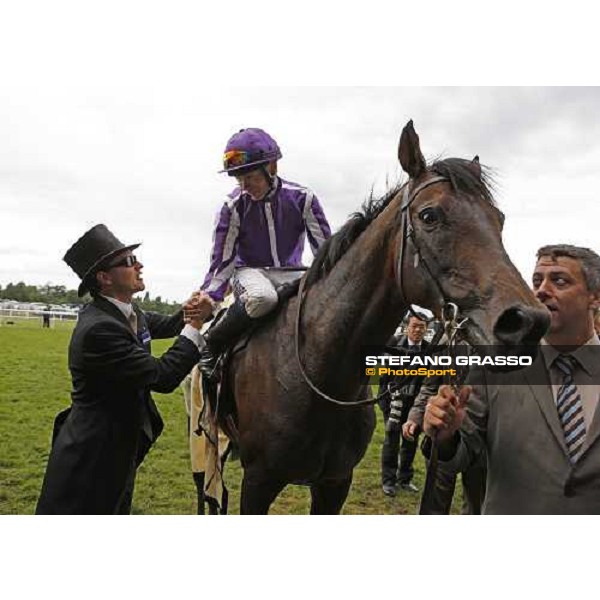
(112, 422)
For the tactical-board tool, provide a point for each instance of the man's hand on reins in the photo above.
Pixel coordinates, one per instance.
(445, 412)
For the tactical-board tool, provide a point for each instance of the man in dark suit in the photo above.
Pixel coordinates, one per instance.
(539, 426)
(398, 453)
(99, 441)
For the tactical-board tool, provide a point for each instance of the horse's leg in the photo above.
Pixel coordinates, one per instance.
(328, 497)
(257, 498)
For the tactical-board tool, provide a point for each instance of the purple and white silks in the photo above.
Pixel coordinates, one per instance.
(265, 233)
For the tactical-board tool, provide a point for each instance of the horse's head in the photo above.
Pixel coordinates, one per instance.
(449, 249)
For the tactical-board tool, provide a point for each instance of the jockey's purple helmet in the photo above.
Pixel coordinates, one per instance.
(251, 147)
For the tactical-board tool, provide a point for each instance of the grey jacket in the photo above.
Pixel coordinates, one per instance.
(429, 388)
(513, 416)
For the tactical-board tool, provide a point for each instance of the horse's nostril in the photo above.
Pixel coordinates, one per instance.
(518, 325)
(511, 321)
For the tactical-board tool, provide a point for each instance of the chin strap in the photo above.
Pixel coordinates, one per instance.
(271, 179)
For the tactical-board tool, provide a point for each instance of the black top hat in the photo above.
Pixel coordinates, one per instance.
(90, 251)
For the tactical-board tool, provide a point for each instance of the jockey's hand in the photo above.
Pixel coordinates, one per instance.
(445, 412)
(197, 309)
(409, 430)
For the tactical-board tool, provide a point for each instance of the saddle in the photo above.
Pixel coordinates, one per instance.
(217, 391)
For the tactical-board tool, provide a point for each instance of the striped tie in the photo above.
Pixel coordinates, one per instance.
(570, 409)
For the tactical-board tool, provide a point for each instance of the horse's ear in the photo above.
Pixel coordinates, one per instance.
(475, 167)
(409, 152)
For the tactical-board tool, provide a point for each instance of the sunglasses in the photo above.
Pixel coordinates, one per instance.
(127, 261)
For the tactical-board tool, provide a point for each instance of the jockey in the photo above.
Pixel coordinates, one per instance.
(259, 235)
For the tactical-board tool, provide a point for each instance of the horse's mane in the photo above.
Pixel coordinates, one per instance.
(336, 246)
(462, 179)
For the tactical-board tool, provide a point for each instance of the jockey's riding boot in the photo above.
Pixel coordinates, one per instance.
(228, 329)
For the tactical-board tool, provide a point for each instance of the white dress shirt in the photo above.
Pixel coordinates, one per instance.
(191, 333)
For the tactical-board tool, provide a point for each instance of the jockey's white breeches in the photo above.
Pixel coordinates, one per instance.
(256, 288)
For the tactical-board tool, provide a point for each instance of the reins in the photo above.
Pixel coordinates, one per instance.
(311, 385)
(407, 233)
(452, 328)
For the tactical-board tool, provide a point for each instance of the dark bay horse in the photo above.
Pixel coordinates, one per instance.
(436, 239)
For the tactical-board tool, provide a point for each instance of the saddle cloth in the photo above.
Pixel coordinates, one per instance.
(209, 446)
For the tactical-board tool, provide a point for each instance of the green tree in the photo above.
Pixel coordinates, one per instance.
(59, 294)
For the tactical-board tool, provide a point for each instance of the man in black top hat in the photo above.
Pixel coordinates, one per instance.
(99, 441)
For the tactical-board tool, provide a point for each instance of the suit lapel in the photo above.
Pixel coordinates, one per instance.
(542, 392)
(113, 311)
(593, 431)
(143, 333)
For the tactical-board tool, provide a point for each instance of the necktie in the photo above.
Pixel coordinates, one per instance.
(570, 409)
(132, 318)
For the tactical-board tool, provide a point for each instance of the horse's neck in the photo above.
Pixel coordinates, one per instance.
(358, 303)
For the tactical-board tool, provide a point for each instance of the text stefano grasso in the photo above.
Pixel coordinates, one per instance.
(448, 361)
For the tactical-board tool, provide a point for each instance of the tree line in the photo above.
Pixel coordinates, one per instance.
(59, 294)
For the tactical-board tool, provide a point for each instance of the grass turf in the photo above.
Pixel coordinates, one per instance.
(35, 385)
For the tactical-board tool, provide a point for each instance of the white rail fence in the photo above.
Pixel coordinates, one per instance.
(11, 315)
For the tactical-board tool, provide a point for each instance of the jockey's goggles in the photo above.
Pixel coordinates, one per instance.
(236, 158)
(242, 161)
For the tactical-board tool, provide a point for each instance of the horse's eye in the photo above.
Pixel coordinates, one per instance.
(428, 216)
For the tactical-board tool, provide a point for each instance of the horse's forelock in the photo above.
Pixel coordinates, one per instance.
(463, 178)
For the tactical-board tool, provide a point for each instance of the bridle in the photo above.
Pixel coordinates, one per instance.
(408, 233)
(449, 310)
(452, 327)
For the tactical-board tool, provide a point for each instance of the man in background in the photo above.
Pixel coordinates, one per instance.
(398, 452)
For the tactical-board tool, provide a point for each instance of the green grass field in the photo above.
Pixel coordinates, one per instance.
(35, 385)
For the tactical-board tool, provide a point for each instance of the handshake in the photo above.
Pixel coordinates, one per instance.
(197, 309)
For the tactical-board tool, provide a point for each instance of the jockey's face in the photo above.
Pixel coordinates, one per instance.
(254, 183)
(121, 282)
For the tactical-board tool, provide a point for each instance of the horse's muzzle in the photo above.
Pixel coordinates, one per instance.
(521, 326)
